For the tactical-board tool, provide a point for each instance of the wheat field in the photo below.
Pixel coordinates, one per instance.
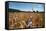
(19, 20)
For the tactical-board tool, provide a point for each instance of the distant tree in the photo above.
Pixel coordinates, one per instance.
(33, 11)
(37, 11)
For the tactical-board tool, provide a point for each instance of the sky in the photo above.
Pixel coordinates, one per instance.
(26, 6)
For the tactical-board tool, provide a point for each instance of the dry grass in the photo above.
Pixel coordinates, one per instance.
(18, 20)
